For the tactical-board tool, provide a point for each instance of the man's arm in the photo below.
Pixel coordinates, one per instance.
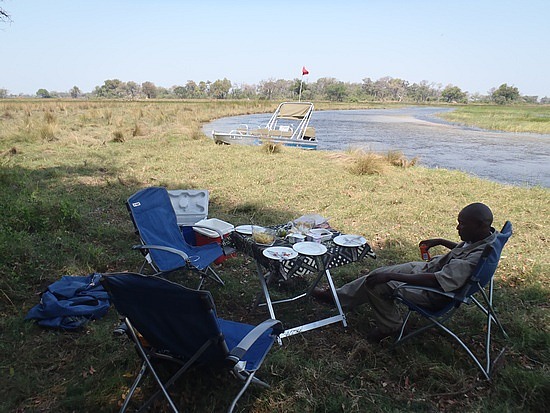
(424, 279)
(433, 242)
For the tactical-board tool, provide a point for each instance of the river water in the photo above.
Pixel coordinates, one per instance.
(511, 158)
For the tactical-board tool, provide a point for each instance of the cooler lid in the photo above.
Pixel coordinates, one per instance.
(190, 205)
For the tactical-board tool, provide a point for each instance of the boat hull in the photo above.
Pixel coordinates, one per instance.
(256, 140)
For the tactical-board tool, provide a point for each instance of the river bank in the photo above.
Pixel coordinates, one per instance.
(521, 159)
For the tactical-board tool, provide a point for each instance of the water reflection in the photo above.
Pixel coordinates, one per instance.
(513, 158)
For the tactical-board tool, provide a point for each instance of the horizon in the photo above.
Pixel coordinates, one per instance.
(476, 46)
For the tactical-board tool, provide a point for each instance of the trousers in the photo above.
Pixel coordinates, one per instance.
(387, 314)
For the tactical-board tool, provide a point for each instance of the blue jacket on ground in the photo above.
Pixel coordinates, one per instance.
(71, 302)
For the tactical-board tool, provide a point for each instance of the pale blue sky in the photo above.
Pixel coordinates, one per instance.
(476, 45)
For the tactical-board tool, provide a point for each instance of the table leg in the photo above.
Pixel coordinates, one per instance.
(265, 291)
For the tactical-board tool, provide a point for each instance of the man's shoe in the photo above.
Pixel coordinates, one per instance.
(323, 295)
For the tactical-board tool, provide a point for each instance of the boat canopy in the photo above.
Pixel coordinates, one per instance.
(294, 110)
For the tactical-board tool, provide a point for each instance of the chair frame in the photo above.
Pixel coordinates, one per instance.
(465, 295)
(233, 358)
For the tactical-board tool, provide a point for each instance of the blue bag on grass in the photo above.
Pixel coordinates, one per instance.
(71, 302)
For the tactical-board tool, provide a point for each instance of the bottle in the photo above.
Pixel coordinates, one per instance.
(424, 253)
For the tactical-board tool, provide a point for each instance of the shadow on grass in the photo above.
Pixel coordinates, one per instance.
(64, 220)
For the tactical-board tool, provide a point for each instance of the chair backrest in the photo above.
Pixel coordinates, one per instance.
(487, 265)
(168, 315)
(155, 221)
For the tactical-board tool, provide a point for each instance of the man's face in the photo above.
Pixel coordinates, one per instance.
(468, 228)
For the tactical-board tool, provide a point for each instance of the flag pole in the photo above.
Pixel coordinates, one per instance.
(304, 72)
(300, 94)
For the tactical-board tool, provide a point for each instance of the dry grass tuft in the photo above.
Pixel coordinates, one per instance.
(197, 135)
(271, 148)
(138, 130)
(47, 133)
(359, 162)
(397, 158)
(50, 118)
(118, 136)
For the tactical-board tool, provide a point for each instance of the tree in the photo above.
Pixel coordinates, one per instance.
(133, 89)
(4, 15)
(3, 93)
(112, 88)
(220, 88)
(204, 88)
(505, 94)
(75, 92)
(149, 90)
(192, 90)
(453, 94)
(179, 91)
(336, 92)
(243, 91)
(43, 93)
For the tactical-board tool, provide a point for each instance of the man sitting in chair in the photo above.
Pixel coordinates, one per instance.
(448, 272)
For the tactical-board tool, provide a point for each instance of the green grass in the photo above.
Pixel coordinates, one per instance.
(524, 118)
(63, 213)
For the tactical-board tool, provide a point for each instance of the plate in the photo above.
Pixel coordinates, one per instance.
(280, 253)
(247, 229)
(350, 240)
(309, 248)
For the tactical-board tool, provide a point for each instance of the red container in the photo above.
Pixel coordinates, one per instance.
(204, 236)
(424, 253)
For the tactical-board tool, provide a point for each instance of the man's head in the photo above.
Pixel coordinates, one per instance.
(474, 222)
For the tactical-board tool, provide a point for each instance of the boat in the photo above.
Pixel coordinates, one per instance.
(289, 126)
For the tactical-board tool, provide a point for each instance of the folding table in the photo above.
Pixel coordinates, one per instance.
(313, 263)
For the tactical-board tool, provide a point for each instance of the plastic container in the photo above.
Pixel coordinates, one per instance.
(190, 205)
(293, 238)
(263, 236)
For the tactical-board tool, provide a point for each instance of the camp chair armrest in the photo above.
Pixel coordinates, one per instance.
(163, 248)
(240, 349)
(449, 294)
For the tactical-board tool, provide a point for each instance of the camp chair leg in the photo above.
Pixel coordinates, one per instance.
(402, 336)
(464, 346)
(148, 363)
(241, 392)
(140, 375)
(489, 310)
(214, 276)
(176, 376)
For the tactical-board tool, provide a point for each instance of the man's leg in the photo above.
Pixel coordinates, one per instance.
(356, 293)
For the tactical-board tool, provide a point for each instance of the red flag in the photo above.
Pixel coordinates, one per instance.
(304, 71)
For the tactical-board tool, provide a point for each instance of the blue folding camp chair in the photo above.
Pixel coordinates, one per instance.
(163, 243)
(481, 281)
(167, 321)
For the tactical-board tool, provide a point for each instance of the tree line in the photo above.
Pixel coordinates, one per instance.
(385, 89)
